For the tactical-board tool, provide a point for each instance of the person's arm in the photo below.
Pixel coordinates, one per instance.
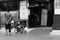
(10, 19)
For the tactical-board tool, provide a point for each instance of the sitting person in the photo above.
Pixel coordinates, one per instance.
(19, 27)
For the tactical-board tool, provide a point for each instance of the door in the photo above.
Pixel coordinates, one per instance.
(35, 17)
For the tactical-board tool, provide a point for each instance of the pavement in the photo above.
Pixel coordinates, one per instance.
(36, 34)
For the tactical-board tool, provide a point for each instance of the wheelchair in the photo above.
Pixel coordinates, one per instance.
(19, 28)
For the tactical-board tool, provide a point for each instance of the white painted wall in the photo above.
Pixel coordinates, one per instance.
(57, 7)
(57, 11)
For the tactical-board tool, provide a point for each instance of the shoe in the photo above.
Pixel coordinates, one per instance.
(9, 34)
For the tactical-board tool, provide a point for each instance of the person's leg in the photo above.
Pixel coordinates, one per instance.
(10, 29)
(17, 30)
(9, 32)
(6, 28)
(6, 32)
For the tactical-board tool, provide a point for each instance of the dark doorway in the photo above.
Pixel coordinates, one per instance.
(50, 15)
(35, 16)
(36, 13)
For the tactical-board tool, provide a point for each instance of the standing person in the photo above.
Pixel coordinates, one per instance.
(8, 23)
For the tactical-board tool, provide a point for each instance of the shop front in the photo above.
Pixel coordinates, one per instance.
(41, 13)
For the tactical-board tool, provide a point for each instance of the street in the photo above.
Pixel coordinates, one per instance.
(36, 34)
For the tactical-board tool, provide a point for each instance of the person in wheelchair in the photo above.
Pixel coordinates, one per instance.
(16, 26)
(19, 27)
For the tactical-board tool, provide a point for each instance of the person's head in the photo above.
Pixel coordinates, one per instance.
(18, 22)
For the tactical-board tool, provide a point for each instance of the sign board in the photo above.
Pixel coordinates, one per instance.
(24, 11)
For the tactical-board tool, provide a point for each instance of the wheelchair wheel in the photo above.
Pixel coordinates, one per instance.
(15, 30)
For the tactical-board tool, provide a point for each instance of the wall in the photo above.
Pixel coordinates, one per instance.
(24, 11)
(13, 13)
(56, 20)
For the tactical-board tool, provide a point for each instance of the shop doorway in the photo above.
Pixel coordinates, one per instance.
(41, 15)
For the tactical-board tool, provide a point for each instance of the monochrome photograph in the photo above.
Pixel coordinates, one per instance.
(29, 19)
